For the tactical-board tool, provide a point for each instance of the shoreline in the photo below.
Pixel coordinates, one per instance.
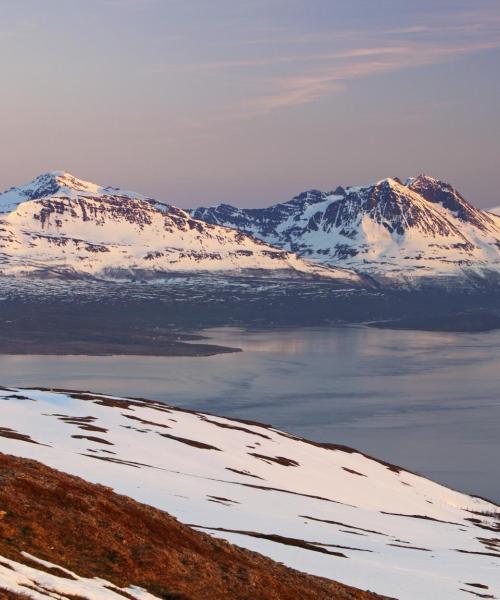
(125, 347)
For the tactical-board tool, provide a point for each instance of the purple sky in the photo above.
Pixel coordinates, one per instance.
(250, 102)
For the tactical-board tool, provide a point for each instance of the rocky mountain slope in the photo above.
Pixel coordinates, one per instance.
(397, 232)
(63, 537)
(59, 225)
(324, 509)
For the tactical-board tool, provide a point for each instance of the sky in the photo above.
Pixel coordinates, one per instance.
(250, 102)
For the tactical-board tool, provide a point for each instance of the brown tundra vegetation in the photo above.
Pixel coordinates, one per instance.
(95, 532)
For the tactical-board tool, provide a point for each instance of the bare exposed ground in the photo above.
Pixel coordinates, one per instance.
(6, 595)
(94, 532)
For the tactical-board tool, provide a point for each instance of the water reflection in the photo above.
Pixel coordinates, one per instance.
(428, 401)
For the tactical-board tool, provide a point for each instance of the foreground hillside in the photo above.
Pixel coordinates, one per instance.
(324, 509)
(61, 226)
(421, 231)
(58, 533)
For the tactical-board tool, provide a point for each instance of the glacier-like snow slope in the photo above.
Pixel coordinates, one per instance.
(324, 509)
(422, 228)
(61, 225)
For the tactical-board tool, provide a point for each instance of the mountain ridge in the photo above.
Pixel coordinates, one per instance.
(419, 232)
(390, 230)
(59, 225)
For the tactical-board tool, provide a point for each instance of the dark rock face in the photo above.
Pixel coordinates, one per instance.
(438, 192)
(46, 186)
(261, 221)
(386, 205)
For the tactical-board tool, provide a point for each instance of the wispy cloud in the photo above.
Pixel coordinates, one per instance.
(280, 60)
(284, 70)
(313, 84)
(278, 68)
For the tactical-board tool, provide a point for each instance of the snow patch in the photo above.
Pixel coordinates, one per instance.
(296, 501)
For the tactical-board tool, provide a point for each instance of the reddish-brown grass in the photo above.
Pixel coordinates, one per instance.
(94, 532)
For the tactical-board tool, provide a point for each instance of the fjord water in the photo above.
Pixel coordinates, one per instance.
(427, 401)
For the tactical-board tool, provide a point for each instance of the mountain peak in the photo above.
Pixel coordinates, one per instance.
(60, 224)
(311, 196)
(55, 180)
(445, 195)
(390, 182)
(57, 174)
(422, 178)
(392, 230)
(47, 184)
(60, 184)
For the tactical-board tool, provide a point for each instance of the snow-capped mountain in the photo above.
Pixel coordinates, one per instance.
(61, 225)
(320, 508)
(495, 210)
(422, 228)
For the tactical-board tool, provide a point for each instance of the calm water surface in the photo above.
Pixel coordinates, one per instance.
(427, 401)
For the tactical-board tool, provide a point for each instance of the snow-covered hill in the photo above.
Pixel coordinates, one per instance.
(394, 231)
(324, 509)
(63, 538)
(61, 225)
